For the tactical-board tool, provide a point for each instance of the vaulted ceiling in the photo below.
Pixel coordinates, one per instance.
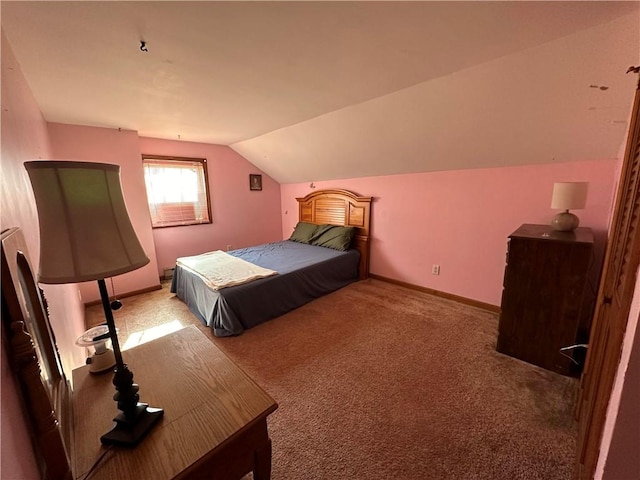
(312, 91)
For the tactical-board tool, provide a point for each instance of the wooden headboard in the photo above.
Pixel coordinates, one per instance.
(35, 360)
(341, 207)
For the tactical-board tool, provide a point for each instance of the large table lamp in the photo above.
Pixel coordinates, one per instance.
(568, 196)
(86, 234)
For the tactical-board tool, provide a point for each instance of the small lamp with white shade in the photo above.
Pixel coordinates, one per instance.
(568, 196)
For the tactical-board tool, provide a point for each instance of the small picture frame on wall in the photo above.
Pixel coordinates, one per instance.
(255, 181)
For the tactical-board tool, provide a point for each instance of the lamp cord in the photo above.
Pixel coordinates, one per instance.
(98, 460)
(113, 289)
(115, 304)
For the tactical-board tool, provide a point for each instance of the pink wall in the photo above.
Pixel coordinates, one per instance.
(240, 217)
(460, 219)
(24, 137)
(107, 145)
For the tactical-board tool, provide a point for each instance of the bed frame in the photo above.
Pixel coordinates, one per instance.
(341, 207)
(33, 355)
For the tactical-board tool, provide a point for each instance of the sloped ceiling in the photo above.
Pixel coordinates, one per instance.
(312, 91)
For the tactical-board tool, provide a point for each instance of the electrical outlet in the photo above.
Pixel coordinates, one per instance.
(228, 247)
(435, 270)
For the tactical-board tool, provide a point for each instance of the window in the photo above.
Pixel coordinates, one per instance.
(177, 190)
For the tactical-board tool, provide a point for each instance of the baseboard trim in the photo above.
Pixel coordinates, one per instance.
(125, 295)
(437, 293)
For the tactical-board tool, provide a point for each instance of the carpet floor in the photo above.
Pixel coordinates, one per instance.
(377, 381)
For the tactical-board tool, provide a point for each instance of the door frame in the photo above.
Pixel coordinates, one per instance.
(613, 304)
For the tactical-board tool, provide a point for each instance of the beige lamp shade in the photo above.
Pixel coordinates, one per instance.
(85, 231)
(569, 195)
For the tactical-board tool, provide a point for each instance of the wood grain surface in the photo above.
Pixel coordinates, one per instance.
(214, 420)
(341, 207)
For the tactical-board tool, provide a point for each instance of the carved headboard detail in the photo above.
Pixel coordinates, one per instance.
(341, 207)
(35, 360)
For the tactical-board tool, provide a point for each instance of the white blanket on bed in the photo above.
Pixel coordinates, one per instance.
(219, 269)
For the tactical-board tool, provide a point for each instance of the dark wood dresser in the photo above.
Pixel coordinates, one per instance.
(547, 302)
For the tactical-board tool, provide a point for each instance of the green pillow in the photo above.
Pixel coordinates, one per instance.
(303, 232)
(333, 236)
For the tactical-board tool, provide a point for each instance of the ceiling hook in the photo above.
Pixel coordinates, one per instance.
(143, 46)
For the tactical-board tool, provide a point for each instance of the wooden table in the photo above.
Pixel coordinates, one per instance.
(215, 416)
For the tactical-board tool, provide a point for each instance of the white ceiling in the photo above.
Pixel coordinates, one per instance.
(312, 91)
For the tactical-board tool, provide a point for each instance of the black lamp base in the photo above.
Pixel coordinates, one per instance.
(129, 431)
(136, 418)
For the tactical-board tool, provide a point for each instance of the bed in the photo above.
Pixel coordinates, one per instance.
(303, 271)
